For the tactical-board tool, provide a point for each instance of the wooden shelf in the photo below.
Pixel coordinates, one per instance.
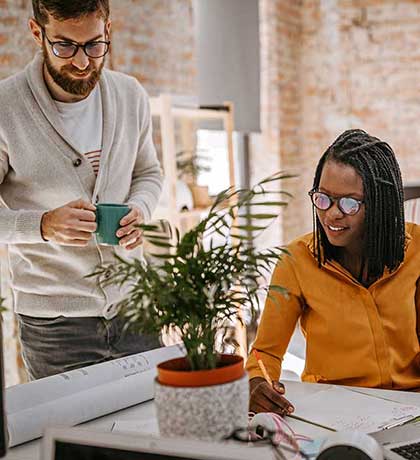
(163, 107)
(200, 114)
(194, 113)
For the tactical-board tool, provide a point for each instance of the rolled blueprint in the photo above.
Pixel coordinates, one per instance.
(83, 394)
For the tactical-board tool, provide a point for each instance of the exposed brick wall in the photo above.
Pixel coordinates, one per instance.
(375, 84)
(379, 72)
(281, 30)
(16, 44)
(330, 65)
(153, 40)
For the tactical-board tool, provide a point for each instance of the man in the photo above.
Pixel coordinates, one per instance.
(72, 134)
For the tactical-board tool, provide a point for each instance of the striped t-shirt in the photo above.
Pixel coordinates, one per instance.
(83, 123)
(94, 157)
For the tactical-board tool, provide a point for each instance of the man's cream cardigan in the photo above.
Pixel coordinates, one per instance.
(40, 170)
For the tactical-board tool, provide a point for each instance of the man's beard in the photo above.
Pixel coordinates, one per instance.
(63, 77)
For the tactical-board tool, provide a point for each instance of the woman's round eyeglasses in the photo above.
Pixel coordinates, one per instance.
(346, 204)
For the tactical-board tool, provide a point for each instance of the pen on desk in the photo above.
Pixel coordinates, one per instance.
(301, 419)
(398, 422)
(270, 382)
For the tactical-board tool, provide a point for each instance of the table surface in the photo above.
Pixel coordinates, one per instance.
(144, 411)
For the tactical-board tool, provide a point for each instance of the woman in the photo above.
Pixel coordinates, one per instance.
(352, 283)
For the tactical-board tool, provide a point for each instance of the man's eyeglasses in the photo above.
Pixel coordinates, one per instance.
(66, 50)
(346, 204)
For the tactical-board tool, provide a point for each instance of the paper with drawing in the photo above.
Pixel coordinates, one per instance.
(344, 409)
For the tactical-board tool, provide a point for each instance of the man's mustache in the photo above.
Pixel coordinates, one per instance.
(73, 70)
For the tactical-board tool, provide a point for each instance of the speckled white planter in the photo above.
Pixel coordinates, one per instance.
(208, 413)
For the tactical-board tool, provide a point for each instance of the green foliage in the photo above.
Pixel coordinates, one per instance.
(191, 163)
(205, 275)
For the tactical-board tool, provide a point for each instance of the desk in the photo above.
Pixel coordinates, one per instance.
(30, 451)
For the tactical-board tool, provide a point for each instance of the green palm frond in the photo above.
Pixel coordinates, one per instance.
(206, 275)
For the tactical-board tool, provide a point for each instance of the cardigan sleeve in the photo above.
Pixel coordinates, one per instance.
(17, 226)
(146, 183)
(278, 321)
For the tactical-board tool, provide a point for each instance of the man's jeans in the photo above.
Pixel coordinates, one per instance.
(54, 345)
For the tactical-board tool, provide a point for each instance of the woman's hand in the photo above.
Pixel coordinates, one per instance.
(266, 398)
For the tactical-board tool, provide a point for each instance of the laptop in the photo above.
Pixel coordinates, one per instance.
(84, 444)
(400, 443)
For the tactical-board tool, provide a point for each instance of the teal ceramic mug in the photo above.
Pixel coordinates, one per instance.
(108, 216)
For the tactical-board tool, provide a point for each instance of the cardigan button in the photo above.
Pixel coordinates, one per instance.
(77, 162)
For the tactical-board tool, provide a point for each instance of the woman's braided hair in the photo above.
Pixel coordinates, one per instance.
(375, 162)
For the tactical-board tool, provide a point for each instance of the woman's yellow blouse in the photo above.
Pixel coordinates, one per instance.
(354, 335)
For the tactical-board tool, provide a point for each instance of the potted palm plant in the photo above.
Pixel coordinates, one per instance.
(190, 163)
(205, 278)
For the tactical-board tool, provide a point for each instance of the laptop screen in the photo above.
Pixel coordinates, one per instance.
(83, 444)
(70, 451)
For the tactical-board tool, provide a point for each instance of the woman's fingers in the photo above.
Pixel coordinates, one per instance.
(265, 398)
(274, 402)
(279, 387)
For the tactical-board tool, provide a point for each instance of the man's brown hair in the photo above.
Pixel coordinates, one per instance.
(68, 9)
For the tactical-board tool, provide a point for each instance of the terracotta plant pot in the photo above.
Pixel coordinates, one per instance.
(176, 373)
(200, 195)
(206, 404)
